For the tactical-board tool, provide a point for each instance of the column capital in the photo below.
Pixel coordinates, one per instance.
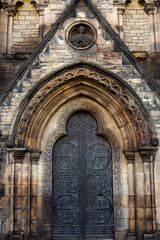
(10, 142)
(147, 153)
(35, 155)
(17, 153)
(11, 10)
(149, 8)
(120, 7)
(130, 155)
(40, 8)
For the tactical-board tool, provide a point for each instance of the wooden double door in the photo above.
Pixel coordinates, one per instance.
(82, 182)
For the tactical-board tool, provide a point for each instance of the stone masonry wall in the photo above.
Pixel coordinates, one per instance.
(57, 54)
(136, 30)
(25, 29)
(8, 68)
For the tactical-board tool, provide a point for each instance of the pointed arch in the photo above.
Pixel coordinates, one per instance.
(103, 130)
(104, 87)
(29, 63)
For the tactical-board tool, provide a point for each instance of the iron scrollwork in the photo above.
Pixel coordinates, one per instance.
(117, 188)
(74, 201)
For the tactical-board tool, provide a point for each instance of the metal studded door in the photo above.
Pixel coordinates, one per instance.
(82, 182)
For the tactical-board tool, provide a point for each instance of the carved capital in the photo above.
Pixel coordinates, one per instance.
(4, 3)
(155, 142)
(149, 8)
(147, 153)
(17, 153)
(10, 143)
(41, 8)
(130, 155)
(120, 7)
(11, 10)
(35, 155)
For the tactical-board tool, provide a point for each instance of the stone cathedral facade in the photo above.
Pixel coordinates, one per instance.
(79, 119)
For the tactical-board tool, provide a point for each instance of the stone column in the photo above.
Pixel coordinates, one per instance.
(25, 216)
(157, 28)
(130, 156)
(40, 9)
(3, 30)
(149, 7)
(21, 193)
(147, 157)
(34, 221)
(12, 10)
(120, 11)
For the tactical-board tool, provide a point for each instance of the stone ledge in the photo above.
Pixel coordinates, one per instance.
(141, 55)
(148, 236)
(17, 153)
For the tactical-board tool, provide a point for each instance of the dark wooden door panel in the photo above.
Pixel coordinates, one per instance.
(82, 182)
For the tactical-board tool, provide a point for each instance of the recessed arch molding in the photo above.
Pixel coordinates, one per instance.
(114, 88)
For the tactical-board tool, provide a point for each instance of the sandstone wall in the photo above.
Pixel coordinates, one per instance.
(31, 22)
(57, 54)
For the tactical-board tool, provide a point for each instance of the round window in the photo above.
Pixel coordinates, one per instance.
(81, 35)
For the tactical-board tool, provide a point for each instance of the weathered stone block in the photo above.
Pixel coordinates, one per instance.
(33, 213)
(140, 201)
(17, 225)
(33, 202)
(23, 13)
(148, 213)
(24, 214)
(17, 215)
(18, 190)
(18, 202)
(25, 178)
(132, 224)
(140, 213)
(33, 225)
(34, 190)
(25, 201)
(132, 213)
(25, 190)
(140, 225)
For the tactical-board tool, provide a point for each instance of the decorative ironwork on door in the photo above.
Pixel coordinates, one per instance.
(82, 182)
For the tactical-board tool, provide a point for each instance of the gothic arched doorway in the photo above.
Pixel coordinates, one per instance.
(82, 182)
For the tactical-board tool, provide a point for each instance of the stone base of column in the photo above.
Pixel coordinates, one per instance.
(31, 236)
(131, 236)
(149, 236)
(25, 236)
(9, 56)
(157, 235)
(17, 237)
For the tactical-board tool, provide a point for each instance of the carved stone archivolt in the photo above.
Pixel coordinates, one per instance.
(121, 94)
(47, 160)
